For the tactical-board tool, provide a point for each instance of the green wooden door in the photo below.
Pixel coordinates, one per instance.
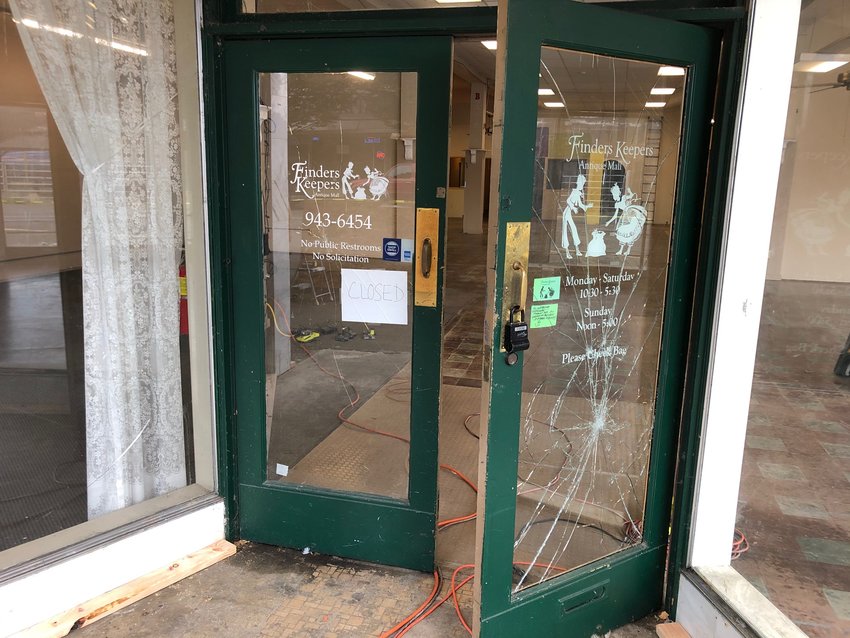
(603, 125)
(335, 168)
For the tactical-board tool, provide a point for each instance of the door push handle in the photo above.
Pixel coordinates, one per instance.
(426, 257)
(427, 244)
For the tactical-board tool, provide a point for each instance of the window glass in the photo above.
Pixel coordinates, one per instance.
(338, 178)
(608, 132)
(95, 409)
(793, 528)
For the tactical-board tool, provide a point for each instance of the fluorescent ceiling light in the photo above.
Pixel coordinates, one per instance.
(820, 62)
(554, 105)
(68, 33)
(655, 105)
(660, 90)
(490, 44)
(457, 1)
(671, 70)
(545, 92)
(362, 75)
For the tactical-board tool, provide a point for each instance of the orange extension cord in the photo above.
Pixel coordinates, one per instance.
(440, 524)
(454, 587)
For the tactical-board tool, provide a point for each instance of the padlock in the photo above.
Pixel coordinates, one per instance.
(516, 332)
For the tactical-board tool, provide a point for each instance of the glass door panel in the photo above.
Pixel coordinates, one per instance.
(334, 158)
(605, 169)
(338, 164)
(602, 126)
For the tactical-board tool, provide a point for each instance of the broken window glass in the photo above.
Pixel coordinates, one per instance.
(608, 135)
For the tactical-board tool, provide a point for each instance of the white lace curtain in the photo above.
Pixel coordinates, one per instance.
(107, 70)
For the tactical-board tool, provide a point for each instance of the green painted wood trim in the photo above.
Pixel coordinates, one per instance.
(588, 28)
(327, 523)
(600, 598)
(311, 512)
(220, 282)
(224, 18)
(720, 167)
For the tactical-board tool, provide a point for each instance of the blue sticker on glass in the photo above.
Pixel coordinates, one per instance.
(392, 249)
(407, 250)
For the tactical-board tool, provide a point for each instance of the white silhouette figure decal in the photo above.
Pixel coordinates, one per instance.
(596, 246)
(621, 202)
(575, 202)
(630, 227)
(376, 183)
(347, 176)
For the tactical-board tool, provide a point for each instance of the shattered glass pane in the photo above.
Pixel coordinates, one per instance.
(337, 181)
(605, 176)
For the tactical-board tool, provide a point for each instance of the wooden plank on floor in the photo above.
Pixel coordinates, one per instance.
(120, 597)
(671, 630)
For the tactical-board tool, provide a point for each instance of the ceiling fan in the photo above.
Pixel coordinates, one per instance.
(842, 81)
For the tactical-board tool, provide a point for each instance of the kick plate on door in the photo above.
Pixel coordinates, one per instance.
(427, 249)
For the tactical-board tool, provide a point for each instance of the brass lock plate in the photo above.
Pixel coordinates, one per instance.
(427, 229)
(515, 275)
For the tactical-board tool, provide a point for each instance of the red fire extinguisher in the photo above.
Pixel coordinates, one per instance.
(184, 306)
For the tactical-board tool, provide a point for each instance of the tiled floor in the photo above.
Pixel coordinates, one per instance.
(463, 307)
(795, 492)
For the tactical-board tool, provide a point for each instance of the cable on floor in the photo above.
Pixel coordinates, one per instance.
(354, 401)
(740, 544)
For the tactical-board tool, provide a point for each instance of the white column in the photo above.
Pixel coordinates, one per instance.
(279, 201)
(758, 155)
(473, 197)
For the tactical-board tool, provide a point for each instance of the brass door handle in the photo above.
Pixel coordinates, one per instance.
(426, 257)
(428, 242)
(523, 290)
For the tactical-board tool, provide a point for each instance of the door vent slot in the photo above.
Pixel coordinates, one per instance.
(592, 594)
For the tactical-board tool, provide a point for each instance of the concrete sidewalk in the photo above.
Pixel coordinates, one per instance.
(269, 592)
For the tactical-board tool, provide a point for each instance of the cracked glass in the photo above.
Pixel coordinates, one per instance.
(338, 173)
(608, 136)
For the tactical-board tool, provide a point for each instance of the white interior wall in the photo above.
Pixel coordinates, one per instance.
(811, 232)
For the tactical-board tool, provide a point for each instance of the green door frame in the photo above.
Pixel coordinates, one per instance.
(222, 21)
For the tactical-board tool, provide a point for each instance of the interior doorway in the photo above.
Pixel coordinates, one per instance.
(464, 297)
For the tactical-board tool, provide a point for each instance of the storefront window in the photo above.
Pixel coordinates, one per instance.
(95, 413)
(793, 528)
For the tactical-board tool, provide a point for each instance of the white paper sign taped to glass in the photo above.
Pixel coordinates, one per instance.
(374, 296)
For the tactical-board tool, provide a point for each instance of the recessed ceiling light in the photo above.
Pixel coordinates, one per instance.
(490, 44)
(554, 105)
(820, 62)
(660, 90)
(362, 75)
(671, 70)
(545, 92)
(655, 105)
